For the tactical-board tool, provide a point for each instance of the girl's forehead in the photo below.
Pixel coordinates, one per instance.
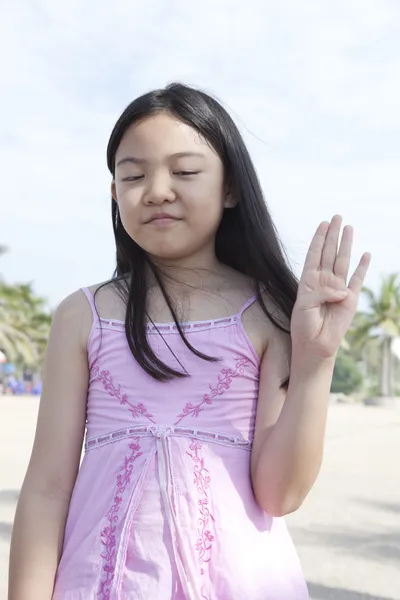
(161, 133)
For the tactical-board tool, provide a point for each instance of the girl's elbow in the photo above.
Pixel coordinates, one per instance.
(279, 510)
(276, 505)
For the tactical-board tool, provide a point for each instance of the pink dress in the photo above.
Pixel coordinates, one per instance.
(163, 506)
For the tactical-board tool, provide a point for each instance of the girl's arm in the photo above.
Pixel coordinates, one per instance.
(44, 500)
(290, 427)
(289, 436)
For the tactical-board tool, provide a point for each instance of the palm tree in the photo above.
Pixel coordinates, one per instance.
(381, 323)
(34, 317)
(24, 323)
(15, 339)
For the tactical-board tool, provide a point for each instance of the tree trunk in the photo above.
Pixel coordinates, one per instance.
(386, 380)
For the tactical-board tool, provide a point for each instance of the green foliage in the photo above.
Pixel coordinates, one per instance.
(347, 377)
(24, 324)
(379, 326)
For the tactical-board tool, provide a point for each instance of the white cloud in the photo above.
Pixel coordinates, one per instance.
(314, 86)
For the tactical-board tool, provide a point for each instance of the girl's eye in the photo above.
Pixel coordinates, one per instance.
(184, 173)
(135, 178)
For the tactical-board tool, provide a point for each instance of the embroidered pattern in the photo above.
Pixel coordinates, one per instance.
(105, 377)
(224, 383)
(108, 535)
(202, 482)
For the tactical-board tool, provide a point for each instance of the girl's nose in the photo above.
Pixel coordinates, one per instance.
(159, 190)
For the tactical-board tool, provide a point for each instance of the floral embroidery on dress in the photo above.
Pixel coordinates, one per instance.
(224, 383)
(202, 482)
(105, 377)
(108, 535)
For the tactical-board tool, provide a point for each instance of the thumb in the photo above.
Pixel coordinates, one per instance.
(329, 294)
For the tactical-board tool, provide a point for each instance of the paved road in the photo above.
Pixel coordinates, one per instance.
(348, 531)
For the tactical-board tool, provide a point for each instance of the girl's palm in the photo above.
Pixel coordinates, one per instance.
(326, 304)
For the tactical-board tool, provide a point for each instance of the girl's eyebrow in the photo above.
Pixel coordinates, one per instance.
(135, 160)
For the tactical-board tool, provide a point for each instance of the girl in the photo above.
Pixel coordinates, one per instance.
(197, 442)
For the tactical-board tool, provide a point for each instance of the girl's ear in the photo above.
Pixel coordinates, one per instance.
(230, 201)
(114, 191)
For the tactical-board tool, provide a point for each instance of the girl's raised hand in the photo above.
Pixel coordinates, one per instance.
(326, 303)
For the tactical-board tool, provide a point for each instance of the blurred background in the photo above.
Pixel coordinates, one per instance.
(315, 89)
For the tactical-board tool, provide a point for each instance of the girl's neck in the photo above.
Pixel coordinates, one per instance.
(196, 272)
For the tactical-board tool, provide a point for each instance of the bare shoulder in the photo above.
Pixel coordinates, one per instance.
(108, 300)
(73, 317)
(263, 328)
(98, 287)
(73, 305)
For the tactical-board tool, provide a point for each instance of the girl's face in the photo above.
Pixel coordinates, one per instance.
(169, 186)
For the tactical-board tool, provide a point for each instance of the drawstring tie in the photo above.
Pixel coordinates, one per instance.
(161, 435)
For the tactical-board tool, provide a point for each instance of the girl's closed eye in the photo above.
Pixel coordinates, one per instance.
(186, 173)
(133, 178)
(179, 173)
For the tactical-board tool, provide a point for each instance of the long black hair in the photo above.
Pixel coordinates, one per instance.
(246, 239)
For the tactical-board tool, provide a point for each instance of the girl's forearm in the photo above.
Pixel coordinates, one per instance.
(36, 546)
(291, 456)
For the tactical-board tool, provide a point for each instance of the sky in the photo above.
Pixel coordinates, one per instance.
(314, 87)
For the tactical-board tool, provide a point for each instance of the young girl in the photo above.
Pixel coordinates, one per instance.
(197, 441)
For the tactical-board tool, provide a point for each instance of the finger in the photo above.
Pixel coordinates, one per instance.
(326, 295)
(342, 263)
(330, 248)
(329, 294)
(357, 280)
(314, 254)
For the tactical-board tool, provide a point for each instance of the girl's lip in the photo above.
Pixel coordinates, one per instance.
(163, 223)
(162, 217)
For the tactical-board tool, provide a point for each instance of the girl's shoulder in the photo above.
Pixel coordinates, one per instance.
(106, 300)
(72, 320)
(260, 324)
(78, 310)
(102, 298)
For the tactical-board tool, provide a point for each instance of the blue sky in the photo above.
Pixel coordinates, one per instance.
(314, 86)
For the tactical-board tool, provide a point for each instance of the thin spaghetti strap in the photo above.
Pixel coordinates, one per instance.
(90, 299)
(247, 304)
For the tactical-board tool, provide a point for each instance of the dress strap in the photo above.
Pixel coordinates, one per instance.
(247, 304)
(90, 299)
